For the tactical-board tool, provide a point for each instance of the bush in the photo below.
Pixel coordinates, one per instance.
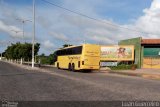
(124, 67)
(49, 60)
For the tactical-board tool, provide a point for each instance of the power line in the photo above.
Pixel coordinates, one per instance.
(98, 20)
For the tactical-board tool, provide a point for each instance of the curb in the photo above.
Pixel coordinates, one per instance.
(156, 77)
(143, 75)
(22, 66)
(125, 73)
(29, 68)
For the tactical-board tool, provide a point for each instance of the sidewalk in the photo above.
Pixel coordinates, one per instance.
(145, 73)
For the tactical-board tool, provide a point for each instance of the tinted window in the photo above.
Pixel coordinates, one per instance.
(70, 51)
(77, 50)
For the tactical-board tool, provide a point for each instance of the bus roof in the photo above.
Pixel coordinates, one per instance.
(69, 47)
(72, 46)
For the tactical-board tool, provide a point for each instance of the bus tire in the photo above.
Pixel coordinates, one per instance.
(58, 65)
(69, 67)
(73, 67)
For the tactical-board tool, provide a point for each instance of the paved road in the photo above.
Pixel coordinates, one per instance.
(60, 85)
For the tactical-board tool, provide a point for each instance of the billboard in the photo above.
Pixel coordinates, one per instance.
(117, 53)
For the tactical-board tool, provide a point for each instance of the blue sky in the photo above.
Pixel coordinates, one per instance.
(55, 26)
(117, 10)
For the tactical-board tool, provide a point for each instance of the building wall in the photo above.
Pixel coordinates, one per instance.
(151, 56)
(142, 55)
(138, 49)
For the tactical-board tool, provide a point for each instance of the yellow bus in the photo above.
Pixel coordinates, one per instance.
(83, 57)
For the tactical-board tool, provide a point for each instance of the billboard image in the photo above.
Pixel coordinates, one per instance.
(117, 53)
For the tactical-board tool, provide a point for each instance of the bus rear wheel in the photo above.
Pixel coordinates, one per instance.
(69, 67)
(58, 65)
(73, 67)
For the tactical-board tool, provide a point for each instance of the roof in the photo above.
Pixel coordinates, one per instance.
(150, 41)
(68, 47)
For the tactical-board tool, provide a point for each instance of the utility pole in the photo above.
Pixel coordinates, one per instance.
(33, 39)
(16, 31)
(1, 56)
(23, 21)
(16, 35)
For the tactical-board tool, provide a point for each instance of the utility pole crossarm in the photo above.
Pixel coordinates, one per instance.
(23, 21)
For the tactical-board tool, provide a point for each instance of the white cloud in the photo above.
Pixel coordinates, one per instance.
(4, 42)
(9, 24)
(14, 32)
(97, 31)
(102, 32)
(10, 30)
(46, 23)
(150, 22)
(59, 36)
(48, 45)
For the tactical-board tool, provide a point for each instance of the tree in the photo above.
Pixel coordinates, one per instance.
(67, 45)
(52, 58)
(42, 55)
(19, 50)
(3, 54)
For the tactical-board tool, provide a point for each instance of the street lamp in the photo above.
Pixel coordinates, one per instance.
(23, 22)
(33, 39)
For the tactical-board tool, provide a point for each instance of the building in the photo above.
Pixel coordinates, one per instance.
(147, 51)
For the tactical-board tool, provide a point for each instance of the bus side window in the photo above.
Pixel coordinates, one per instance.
(66, 52)
(78, 50)
(72, 51)
(60, 52)
(57, 52)
(63, 52)
(69, 51)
